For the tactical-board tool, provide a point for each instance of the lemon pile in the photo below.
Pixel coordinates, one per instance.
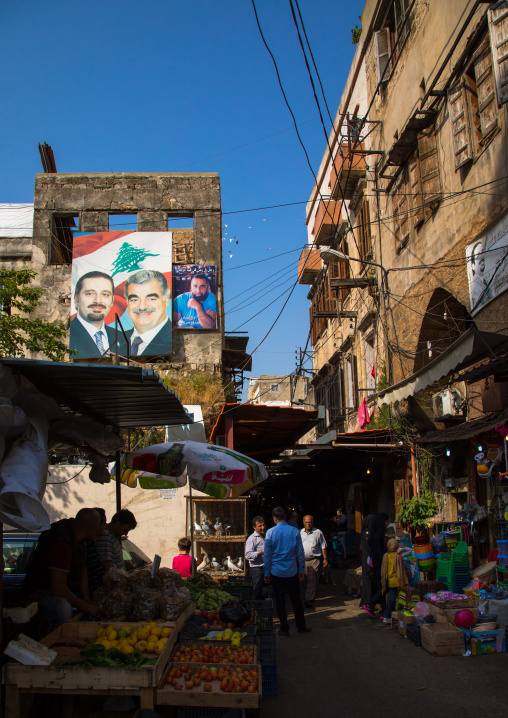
(145, 638)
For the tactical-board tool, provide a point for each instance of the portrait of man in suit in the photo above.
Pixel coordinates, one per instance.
(93, 298)
(148, 295)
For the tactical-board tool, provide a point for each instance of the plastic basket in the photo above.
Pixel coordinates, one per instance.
(269, 680)
(267, 649)
(190, 632)
(414, 634)
(264, 615)
(244, 593)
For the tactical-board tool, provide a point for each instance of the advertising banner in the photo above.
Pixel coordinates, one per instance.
(487, 265)
(195, 303)
(124, 273)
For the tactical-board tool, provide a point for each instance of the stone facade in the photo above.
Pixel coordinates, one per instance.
(280, 390)
(153, 198)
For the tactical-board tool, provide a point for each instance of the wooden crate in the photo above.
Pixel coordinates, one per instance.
(166, 695)
(79, 680)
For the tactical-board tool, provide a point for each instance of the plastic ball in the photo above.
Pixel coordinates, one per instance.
(464, 618)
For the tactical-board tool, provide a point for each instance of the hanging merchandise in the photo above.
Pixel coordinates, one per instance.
(486, 462)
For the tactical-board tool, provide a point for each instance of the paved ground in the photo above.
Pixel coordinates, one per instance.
(352, 666)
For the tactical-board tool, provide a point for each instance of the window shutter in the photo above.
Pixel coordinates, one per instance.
(382, 46)
(485, 86)
(429, 169)
(415, 184)
(461, 133)
(498, 27)
(400, 203)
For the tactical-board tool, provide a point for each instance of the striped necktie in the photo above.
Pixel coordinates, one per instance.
(98, 336)
(135, 346)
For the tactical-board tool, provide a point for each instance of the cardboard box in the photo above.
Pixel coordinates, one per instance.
(403, 621)
(447, 615)
(480, 643)
(440, 639)
(395, 619)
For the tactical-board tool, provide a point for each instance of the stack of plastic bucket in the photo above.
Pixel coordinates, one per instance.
(424, 553)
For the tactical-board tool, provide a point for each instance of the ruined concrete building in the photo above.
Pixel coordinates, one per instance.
(187, 205)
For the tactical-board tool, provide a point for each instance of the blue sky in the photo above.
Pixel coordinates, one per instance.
(161, 86)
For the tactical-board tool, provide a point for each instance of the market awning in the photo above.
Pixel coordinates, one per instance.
(471, 346)
(467, 430)
(120, 396)
(260, 430)
(498, 368)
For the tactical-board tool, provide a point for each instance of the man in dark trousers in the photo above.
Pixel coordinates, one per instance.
(284, 565)
(57, 569)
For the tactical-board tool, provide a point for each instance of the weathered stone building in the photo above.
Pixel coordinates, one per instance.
(278, 390)
(113, 202)
(412, 202)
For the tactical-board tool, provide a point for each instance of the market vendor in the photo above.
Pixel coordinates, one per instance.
(109, 545)
(57, 570)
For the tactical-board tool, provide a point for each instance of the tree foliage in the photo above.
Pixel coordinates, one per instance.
(19, 334)
(417, 511)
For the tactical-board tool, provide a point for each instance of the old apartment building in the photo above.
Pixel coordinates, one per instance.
(414, 194)
(278, 390)
(407, 254)
(188, 206)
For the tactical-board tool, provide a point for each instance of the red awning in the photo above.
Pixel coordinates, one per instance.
(261, 430)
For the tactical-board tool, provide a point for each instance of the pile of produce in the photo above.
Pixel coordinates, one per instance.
(148, 638)
(206, 653)
(96, 655)
(230, 679)
(135, 596)
(208, 599)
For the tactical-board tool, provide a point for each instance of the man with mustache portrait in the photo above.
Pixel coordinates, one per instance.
(147, 294)
(93, 298)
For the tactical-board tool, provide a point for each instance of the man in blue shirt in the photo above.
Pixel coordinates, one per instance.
(284, 566)
(196, 309)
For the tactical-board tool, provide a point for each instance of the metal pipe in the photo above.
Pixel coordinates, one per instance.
(118, 475)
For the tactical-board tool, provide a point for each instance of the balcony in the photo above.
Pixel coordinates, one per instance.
(348, 167)
(328, 216)
(309, 265)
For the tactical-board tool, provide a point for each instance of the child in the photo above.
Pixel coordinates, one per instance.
(393, 576)
(183, 562)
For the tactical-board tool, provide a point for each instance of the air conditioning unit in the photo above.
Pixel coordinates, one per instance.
(447, 404)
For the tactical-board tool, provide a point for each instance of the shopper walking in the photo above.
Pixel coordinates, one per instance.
(393, 576)
(376, 543)
(314, 548)
(284, 565)
(254, 554)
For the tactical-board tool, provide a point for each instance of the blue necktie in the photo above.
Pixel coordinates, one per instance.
(135, 346)
(98, 340)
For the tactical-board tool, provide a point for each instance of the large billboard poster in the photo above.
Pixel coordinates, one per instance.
(487, 265)
(124, 273)
(195, 303)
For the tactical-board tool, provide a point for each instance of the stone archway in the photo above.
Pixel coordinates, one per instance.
(445, 320)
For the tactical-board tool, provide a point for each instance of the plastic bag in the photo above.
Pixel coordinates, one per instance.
(165, 578)
(115, 578)
(116, 604)
(421, 609)
(146, 604)
(173, 602)
(140, 578)
(236, 612)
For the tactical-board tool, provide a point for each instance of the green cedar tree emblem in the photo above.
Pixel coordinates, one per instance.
(128, 257)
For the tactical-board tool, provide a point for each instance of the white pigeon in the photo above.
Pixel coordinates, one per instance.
(197, 528)
(215, 564)
(231, 566)
(204, 566)
(239, 563)
(218, 526)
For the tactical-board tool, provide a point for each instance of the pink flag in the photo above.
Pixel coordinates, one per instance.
(363, 415)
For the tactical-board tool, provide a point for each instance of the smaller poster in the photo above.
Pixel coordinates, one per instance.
(195, 302)
(487, 265)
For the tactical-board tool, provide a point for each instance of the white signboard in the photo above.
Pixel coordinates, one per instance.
(487, 265)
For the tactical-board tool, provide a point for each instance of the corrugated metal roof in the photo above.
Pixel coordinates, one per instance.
(121, 396)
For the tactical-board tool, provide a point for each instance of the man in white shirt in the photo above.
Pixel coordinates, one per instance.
(147, 293)
(93, 298)
(254, 553)
(314, 548)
